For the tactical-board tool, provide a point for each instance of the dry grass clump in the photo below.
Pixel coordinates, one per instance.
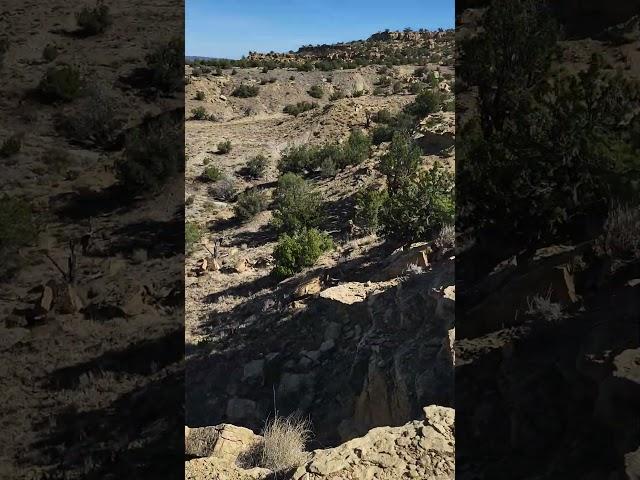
(446, 237)
(284, 443)
(542, 307)
(622, 232)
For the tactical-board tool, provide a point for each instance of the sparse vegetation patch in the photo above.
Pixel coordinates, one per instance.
(316, 91)
(300, 107)
(256, 166)
(153, 153)
(166, 65)
(224, 146)
(249, 204)
(246, 91)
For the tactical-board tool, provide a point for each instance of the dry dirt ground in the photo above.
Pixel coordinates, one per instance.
(67, 378)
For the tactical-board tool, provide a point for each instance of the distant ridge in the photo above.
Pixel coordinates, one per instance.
(418, 43)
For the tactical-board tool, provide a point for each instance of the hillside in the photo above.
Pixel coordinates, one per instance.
(547, 325)
(90, 275)
(361, 337)
(381, 48)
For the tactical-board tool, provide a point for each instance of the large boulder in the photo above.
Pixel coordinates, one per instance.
(227, 442)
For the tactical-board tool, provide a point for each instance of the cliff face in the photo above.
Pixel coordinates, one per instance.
(363, 355)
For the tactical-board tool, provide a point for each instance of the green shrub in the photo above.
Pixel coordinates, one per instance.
(427, 101)
(382, 116)
(296, 204)
(49, 53)
(153, 153)
(11, 145)
(328, 167)
(420, 202)
(166, 65)
(92, 21)
(449, 105)
(357, 93)
(256, 166)
(403, 122)
(329, 151)
(299, 108)
(400, 163)
(246, 91)
(398, 87)
(383, 81)
(224, 147)
(417, 88)
(336, 95)
(380, 91)
(421, 206)
(299, 250)
(327, 65)
(432, 80)
(381, 133)
(192, 235)
(305, 158)
(249, 204)
(199, 113)
(60, 83)
(234, 71)
(356, 149)
(420, 71)
(305, 67)
(200, 95)
(212, 174)
(316, 91)
(296, 159)
(369, 205)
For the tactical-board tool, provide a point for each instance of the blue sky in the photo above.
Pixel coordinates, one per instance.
(231, 28)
